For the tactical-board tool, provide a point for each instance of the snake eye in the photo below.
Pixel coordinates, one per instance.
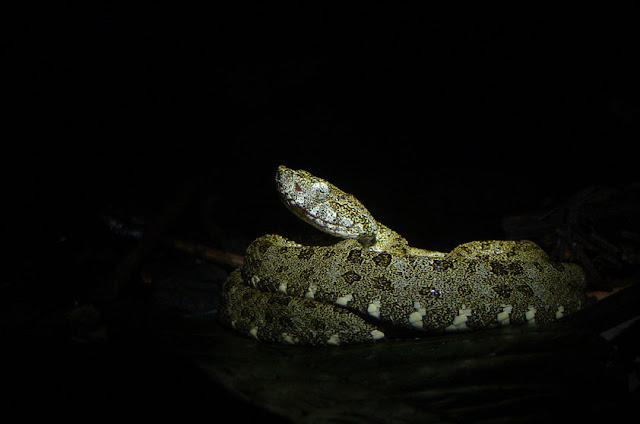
(298, 188)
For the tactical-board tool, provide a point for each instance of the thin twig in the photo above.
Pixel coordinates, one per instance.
(216, 256)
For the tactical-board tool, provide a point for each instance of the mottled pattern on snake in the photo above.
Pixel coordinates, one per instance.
(372, 283)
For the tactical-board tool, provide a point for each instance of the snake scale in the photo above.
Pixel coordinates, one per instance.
(372, 285)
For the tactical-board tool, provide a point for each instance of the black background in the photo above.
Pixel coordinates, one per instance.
(442, 119)
(438, 118)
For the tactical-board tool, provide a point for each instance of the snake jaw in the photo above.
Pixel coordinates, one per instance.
(325, 206)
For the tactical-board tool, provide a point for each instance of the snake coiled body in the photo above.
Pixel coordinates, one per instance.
(372, 284)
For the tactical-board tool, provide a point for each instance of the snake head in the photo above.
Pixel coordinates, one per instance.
(325, 206)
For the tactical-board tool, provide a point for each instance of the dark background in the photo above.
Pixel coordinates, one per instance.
(438, 118)
(441, 119)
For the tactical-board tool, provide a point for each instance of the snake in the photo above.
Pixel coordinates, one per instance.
(370, 285)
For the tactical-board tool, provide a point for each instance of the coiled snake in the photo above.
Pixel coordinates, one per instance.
(372, 284)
